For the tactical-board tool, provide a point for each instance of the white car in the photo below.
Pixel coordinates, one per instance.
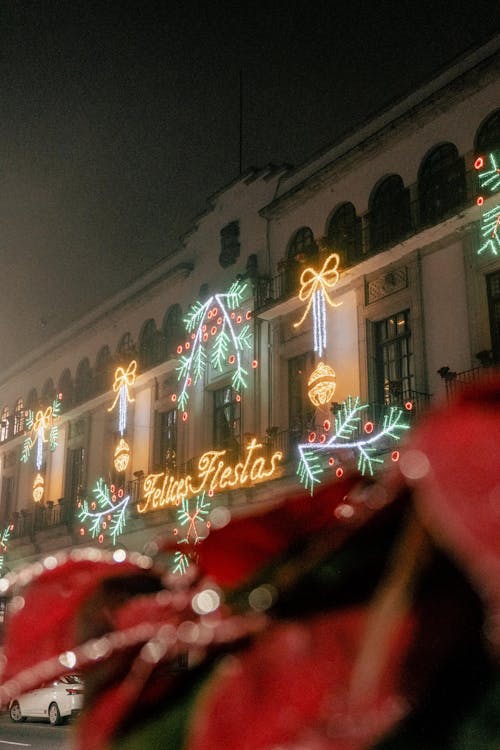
(55, 701)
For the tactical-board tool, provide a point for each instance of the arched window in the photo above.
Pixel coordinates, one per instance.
(4, 424)
(32, 400)
(302, 245)
(126, 347)
(151, 345)
(488, 134)
(344, 234)
(66, 388)
(83, 381)
(48, 391)
(390, 213)
(19, 415)
(174, 330)
(103, 367)
(302, 249)
(441, 184)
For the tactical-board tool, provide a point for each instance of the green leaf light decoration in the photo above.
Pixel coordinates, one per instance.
(350, 435)
(106, 515)
(214, 324)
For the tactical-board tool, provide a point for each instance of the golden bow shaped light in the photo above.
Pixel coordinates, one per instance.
(42, 421)
(312, 281)
(124, 379)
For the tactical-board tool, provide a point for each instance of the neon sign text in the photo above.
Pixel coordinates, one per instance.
(214, 474)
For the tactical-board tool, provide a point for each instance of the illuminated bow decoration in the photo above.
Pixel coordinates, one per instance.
(42, 422)
(318, 282)
(124, 379)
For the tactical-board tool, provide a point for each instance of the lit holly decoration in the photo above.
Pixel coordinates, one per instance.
(227, 342)
(192, 517)
(350, 435)
(4, 538)
(489, 180)
(106, 515)
(43, 429)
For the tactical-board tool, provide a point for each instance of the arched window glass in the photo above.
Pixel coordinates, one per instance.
(48, 391)
(441, 184)
(302, 249)
(174, 330)
(4, 424)
(344, 234)
(151, 348)
(103, 367)
(19, 416)
(32, 400)
(488, 134)
(126, 347)
(390, 213)
(66, 388)
(83, 381)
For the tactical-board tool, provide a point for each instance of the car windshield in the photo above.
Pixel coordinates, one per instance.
(72, 679)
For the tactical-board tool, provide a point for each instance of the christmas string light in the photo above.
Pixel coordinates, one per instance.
(347, 426)
(107, 514)
(193, 515)
(43, 427)
(314, 286)
(489, 179)
(214, 321)
(124, 379)
(4, 538)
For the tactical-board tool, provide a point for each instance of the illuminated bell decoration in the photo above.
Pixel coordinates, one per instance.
(122, 455)
(321, 385)
(38, 488)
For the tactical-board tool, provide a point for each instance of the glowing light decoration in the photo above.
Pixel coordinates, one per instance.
(121, 456)
(490, 223)
(213, 475)
(4, 538)
(124, 380)
(213, 324)
(314, 287)
(43, 427)
(193, 517)
(349, 437)
(38, 488)
(106, 515)
(321, 385)
(489, 179)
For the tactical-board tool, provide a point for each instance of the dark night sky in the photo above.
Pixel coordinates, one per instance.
(119, 119)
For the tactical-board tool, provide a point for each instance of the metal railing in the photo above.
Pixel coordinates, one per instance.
(457, 381)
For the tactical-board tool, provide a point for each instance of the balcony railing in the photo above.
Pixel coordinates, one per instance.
(270, 290)
(457, 381)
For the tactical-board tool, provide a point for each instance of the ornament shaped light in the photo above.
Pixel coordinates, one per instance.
(321, 385)
(38, 488)
(121, 456)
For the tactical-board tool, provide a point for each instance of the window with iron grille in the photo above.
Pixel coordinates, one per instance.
(227, 420)
(441, 184)
(151, 345)
(75, 474)
(19, 416)
(4, 424)
(394, 359)
(174, 330)
(493, 289)
(7, 499)
(166, 440)
(229, 244)
(300, 410)
(390, 213)
(344, 234)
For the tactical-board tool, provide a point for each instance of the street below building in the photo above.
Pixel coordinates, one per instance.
(37, 735)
